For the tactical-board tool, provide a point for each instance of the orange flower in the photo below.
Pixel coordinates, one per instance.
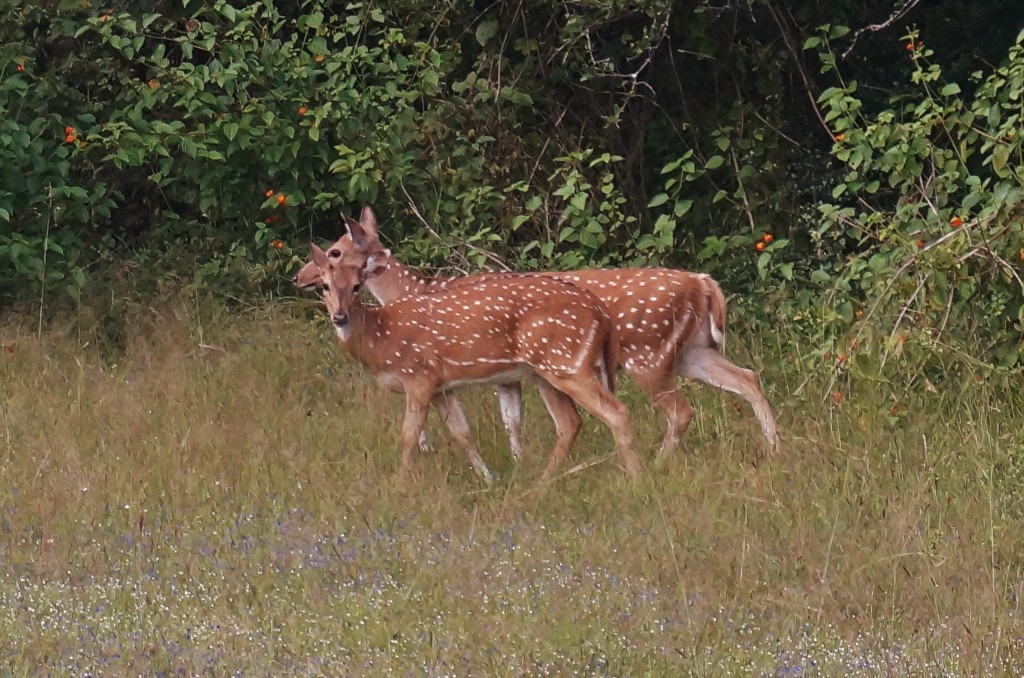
(837, 397)
(842, 358)
(303, 110)
(909, 46)
(20, 68)
(282, 199)
(956, 222)
(920, 244)
(760, 246)
(70, 138)
(154, 84)
(69, 130)
(840, 136)
(768, 238)
(269, 192)
(277, 244)
(859, 313)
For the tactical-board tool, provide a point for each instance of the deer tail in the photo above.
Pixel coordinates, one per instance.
(716, 313)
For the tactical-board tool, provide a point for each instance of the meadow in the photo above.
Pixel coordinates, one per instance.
(215, 493)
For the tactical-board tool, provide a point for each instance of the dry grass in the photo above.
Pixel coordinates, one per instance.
(219, 497)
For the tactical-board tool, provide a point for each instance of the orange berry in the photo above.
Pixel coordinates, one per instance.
(154, 83)
(70, 138)
(909, 46)
(277, 244)
(768, 238)
(842, 358)
(269, 192)
(760, 246)
(20, 68)
(318, 58)
(1022, 254)
(840, 136)
(859, 313)
(837, 397)
(282, 199)
(920, 244)
(956, 222)
(69, 130)
(303, 110)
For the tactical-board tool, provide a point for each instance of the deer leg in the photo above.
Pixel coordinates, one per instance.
(567, 424)
(510, 399)
(455, 419)
(660, 385)
(711, 367)
(415, 419)
(592, 394)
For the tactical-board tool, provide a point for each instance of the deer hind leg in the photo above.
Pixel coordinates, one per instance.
(592, 394)
(455, 419)
(510, 400)
(708, 365)
(567, 424)
(660, 386)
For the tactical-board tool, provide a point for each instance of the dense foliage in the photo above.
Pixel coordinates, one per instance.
(852, 171)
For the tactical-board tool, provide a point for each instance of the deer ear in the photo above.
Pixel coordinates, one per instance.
(308, 276)
(357, 232)
(377, 263)
(319, 256)
(368, 220)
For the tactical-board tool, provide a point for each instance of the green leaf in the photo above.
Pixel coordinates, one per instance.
(714, 162)
(658, 200)
(533, 203)
(485, 31)
(950, 89)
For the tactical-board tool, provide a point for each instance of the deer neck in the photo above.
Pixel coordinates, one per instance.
(362, 335)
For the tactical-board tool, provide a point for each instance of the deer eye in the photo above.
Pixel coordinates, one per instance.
(357, 287)
(334, 254)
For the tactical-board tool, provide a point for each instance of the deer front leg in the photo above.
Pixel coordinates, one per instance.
(455, 419)
(510, 400)
(412, 427)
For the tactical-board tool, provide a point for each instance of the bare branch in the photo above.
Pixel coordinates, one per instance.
(874, 28)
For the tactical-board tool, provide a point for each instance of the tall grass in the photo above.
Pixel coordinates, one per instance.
(218, 496)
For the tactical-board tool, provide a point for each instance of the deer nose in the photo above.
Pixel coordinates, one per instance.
(340, 319)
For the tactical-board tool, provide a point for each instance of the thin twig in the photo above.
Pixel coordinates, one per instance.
(874, 28)
(490, 256)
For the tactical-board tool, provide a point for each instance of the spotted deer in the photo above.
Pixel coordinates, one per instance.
(498, 331)
(668, 322)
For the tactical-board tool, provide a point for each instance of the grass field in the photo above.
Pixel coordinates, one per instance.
(219, 497)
